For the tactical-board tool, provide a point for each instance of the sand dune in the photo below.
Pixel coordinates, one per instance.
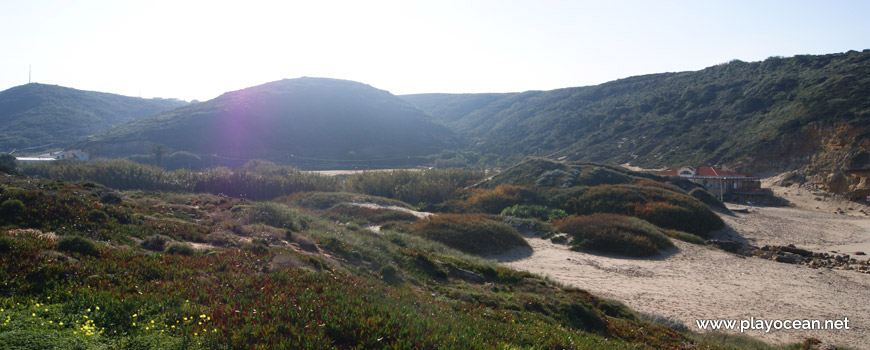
(694, 282)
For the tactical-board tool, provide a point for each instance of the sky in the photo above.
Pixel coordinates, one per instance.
(197, 50)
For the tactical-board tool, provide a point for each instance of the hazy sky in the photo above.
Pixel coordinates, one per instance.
(200, 49)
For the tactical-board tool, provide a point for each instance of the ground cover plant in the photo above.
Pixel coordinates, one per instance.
(613, 233)
(474, 234)
(315, 285)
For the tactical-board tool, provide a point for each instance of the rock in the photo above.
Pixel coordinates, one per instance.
(792, 249)
(467, 275)
(765, 248)
(784, 259)
(726, 245)
(860, 253)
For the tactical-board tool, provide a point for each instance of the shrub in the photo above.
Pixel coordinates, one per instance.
(684, 236)
(77, 244)
(495, 200)
(474, 234)
(388, 273)
(707, 198)
(97, 216)
(180, 249)
(277, 215)
(256, 246)
(7, 163)
(612, 233)
(11, 210)
(661, 207)
(156, 243)
(539, 212)
(110, 198)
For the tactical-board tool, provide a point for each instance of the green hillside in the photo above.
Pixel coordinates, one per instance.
(321, 122)
(38, 117)
(804, 112)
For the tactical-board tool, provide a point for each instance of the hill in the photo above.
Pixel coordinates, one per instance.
(38, 117)
(305, 121)
(805, 113)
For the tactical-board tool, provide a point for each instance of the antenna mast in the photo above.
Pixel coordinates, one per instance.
(29, 73)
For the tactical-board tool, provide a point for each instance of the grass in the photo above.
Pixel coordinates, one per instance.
(350, 288)
(612, 233)
(474, 234)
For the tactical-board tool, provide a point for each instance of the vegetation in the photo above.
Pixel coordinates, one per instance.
(612, 233)
(539, 212)
(474, 234)
(7, 163)
(348, 288)
(40, 117)
(751, 115)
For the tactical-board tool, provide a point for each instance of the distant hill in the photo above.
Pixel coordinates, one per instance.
(306, 121)
(38, 117)
(806, 113)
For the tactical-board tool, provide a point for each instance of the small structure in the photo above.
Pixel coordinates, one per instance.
(47, 157)
(719, 181)
(73, 154)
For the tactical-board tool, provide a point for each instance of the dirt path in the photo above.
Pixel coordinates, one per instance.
(693, 282)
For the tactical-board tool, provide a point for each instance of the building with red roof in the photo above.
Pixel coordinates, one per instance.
(718, 181)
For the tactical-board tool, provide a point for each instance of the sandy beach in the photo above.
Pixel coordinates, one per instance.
(693, 282)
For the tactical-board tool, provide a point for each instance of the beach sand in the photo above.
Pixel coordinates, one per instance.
(693, 282)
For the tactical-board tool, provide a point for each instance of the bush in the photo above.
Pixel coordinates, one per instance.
(11, 210)
(685, 236)
(661, 207)
(612, 233)
(110, 198)
(707, 198)
(388, 273)
(277, 215)
(7, 163)
(156, 243)
(539, 212)
(494, 201)
(474, 234)
(180, 249)
(77, 244)
(256, 246)
(97, 216)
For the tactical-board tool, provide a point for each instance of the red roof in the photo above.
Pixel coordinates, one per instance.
(704, 171)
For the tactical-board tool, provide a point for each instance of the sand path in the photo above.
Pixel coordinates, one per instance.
(694, 282)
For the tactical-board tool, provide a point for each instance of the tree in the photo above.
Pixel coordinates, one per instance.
(158, 151)
(7, 163)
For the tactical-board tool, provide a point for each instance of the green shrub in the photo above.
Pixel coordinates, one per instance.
(277, 215)
(684, 236)
(6, 244)
(613, 233)
(97, 216)
(77, 244)
(256, 246)
(110, 198)
(156, 243)
(474, 234)
(661, 207)
(495, 200)
(707, 198)
(539, 212)
(180, 249)
(388, 273)
(11, 210)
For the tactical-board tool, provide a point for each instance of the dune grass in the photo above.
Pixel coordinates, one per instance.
(613, 233)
